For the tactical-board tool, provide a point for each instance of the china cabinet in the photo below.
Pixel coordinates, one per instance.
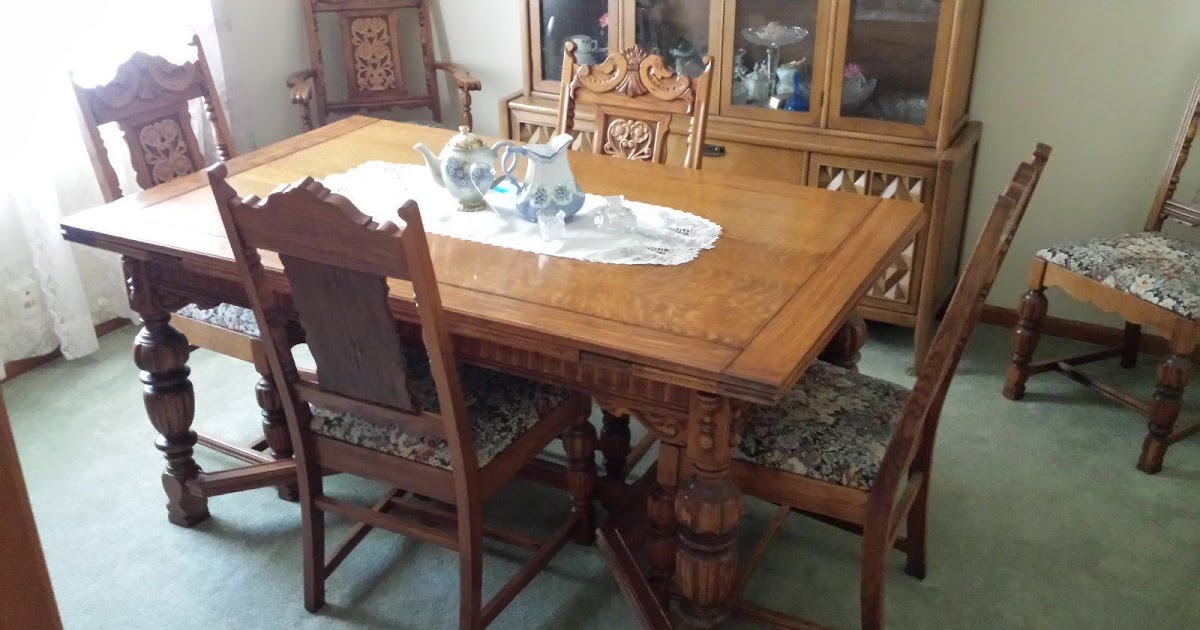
(864, 96)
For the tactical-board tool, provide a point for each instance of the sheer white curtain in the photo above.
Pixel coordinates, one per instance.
(52, 293)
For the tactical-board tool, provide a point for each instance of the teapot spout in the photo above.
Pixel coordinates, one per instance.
(434, 164)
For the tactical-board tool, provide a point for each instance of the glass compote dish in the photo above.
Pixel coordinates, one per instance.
(774, 36)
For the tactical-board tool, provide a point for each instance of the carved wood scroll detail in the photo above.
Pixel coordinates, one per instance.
(629, 139)
(370, 39)
(635, 73)
(145, 77)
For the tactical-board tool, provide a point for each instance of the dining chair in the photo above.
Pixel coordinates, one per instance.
(635, 97)
(1148, 279)
(855, 451)
(381, 408)
(148, 100)
(372, 51)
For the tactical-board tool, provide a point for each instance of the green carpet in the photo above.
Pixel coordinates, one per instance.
(1038, 519)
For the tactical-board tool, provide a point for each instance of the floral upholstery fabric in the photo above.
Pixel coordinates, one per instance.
(1146, 265)
(227, 316)
(833, 426)
(501, 408)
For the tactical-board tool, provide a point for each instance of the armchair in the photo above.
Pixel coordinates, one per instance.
(371, 52)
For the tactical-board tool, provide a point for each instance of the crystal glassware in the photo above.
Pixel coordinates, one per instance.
(613, 216)
(552, 224)
(774, 36)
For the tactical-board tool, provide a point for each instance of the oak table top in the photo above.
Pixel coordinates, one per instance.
(744, 319)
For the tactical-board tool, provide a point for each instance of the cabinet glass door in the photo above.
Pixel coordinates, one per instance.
(555, 22)
(678, 30)
(773, 60)
(889, 57)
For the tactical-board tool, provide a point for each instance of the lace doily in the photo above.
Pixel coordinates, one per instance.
(664, 236)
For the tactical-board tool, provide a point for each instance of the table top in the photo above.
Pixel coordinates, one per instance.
(744, 319)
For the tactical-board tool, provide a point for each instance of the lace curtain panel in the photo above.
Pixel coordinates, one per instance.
(52, 294)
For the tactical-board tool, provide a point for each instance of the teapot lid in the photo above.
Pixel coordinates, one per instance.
(465, 140)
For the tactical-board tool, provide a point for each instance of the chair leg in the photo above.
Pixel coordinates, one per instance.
(915, 532)
(579, 441)
(614, 443)
(873, 564)
(1164, 410)
(313, 522)
(274, 425)
(1130, 345)
(470, 569)
(1031, 310)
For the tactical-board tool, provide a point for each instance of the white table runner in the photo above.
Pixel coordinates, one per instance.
(664, 236)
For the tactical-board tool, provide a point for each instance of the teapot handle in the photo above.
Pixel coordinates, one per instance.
(508, 160)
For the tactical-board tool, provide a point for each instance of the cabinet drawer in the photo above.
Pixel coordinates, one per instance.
(751, 160)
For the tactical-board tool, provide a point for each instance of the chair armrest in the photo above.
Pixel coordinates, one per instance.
(462, 77)
(301, 85)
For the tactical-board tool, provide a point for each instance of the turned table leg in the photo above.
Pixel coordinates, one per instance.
(161, 352)
(579, 442)
(843, 349)
(660, 510)
(708, 509)
(614, 443)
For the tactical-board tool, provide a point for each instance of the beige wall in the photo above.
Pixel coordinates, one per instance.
(1101, 80)
(264, 41)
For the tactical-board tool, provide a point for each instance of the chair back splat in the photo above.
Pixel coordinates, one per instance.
(148, 99)
(635, 96)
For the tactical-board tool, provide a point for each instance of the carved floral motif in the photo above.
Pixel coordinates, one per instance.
(370, 39)
(629, 139)
(165, 150)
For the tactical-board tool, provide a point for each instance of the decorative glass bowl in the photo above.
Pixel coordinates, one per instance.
(775, 35)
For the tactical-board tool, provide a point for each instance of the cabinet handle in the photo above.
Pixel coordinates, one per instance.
(713, 150)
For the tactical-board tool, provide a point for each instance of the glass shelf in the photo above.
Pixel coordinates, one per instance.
(675, 29)
(583, 21)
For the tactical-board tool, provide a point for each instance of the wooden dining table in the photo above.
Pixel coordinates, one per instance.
(686, 349)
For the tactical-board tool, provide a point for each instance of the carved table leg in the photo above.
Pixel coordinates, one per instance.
(274, 425)
(709, 509)
(843, 349)
(614, 443)
(579, 441)
(1031, 310)
(161, 352)
(1164, 410)
(660, 509)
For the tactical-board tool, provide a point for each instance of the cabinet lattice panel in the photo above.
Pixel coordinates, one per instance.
(539, 134)
(896, 281)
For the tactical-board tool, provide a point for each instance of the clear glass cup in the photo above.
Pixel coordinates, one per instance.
(551, 223)
(613, 216)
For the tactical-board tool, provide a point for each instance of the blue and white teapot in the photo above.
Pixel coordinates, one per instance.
(549, 185)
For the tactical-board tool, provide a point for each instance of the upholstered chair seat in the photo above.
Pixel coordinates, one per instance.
(501, 408)
(228, 316)
(833, 426)
(1148, 265)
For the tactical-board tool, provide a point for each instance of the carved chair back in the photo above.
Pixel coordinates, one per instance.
(338, 263)
(148, 100)
(921, 414)
(1165, 207)
(636, 96)
(372, 55)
